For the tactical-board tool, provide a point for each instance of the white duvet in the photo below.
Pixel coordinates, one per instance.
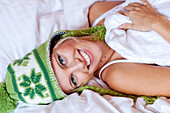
(25, 24)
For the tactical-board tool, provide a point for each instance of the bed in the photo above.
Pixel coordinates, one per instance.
(25, 24)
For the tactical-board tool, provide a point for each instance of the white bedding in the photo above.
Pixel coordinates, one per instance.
(25, 24)
(144, 47)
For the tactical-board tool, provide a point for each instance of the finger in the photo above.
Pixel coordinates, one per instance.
(135, 4)
(124, 12)
(129, 7)
(145, 2)
(126, 26)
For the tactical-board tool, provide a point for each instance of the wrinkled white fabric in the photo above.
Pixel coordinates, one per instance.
(146, 47)
(91, 102)
(25, 24)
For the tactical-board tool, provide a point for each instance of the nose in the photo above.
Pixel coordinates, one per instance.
(78, 64)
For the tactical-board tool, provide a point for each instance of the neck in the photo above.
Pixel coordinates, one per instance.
(107, 53)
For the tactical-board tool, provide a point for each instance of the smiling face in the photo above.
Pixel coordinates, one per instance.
(74, 62)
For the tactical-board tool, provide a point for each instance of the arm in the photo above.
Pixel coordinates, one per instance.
(138, 79)
(146, 18)
(162, 27)
(98, 8)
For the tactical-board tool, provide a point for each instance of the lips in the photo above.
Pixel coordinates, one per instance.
(86, 56)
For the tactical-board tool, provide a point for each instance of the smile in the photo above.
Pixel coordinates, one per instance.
(87, 57)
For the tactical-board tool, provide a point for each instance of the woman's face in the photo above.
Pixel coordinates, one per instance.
(74, 62)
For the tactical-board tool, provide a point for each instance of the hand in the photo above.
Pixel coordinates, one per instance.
(143, 16)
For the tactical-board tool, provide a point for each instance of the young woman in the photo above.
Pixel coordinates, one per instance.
(61, 65)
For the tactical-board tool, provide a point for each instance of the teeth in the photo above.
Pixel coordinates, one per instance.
(86, 57)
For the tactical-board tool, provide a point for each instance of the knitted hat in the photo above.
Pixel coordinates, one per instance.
(31, 79)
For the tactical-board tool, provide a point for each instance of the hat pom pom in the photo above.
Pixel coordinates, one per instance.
(7, 104)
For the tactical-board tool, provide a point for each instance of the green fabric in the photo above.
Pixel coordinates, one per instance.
(7, 104)
(31, 79)
(103, 91)
(98, 32)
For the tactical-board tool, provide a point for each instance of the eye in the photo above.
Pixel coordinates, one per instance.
(61, 60)
(73, 80)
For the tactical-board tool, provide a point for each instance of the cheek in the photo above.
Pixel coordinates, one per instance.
(63, 83)
(83, 77)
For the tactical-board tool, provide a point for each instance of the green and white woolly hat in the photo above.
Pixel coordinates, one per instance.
(31, 79)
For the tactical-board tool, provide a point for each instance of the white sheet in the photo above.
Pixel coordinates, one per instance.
(145, 47)
(25, 24)
(91, 102)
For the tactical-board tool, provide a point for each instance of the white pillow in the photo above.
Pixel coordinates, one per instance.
(19, 28)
